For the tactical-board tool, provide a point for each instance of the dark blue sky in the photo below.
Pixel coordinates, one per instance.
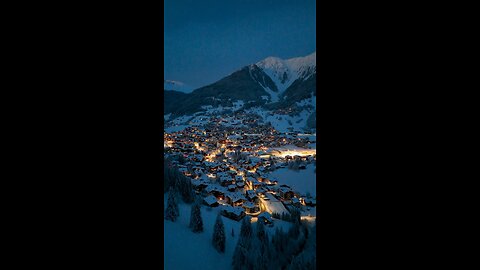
(206, 40)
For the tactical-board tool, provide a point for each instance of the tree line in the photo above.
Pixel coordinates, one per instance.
(294, 249)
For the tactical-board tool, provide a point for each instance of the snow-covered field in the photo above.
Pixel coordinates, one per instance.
(184, 249)
(302, 181)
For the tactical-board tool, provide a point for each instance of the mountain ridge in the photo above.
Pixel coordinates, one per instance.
(271, 83)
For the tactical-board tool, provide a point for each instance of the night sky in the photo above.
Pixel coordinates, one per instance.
(207, 40)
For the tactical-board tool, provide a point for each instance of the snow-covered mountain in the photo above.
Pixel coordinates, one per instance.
(177, 86)
(284, 72)
(272, 83)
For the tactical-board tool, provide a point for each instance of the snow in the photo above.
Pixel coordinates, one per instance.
(294, 68)
(273, 204)
(302, 181)
(184, 249)
(210, 199)
(249, 204)
(274, 95)
(281, 122)
(237, 105)
(312, 101)
(177, 86)
(237, 210)
(176, 128)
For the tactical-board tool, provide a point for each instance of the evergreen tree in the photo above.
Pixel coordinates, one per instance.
(241, 253)
(261, 233)
(239, 256)
(219, 235)
(186, 188)
(196, 222)
(262, 248)
(246, 230)
(171, 213)
(255, 259)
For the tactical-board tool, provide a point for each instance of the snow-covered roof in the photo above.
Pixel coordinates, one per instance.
(249, 205)
(274, 205)
(199, 182)
(236, 196)
(210, 199)
(265, 215)
(251, 193)
(211, 188)
(235, 210)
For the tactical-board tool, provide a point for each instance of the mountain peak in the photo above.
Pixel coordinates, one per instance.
(177, 86)
(285, 72)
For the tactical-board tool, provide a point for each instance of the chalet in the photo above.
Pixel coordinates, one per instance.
(296, 202)
(210, 201)
(265, 217)
(285, 192)
(251, 196)
(269, 182)
(232, 187)
(235, 213)
(226, 181)
(240, 184)
(251, 208)
(218, 192)
(199, 184)
(235, 199)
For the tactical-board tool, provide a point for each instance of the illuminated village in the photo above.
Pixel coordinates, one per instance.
(229, 164)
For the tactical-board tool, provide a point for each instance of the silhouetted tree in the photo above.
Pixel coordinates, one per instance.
(196, 223)
(219, 235)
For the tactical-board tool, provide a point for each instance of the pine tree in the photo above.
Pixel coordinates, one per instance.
(241, 253)
(255, 258)
(219, 235)
(171, 213)
(196, 222)
(261, 233)
(239, 256)
(262, 247)
(246, 229)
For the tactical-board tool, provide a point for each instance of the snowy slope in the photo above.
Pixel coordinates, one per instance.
(302, 181)
(282, 122)
(184, 249)
(177, 86)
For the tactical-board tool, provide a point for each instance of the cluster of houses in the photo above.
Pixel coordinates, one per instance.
(228, 166)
